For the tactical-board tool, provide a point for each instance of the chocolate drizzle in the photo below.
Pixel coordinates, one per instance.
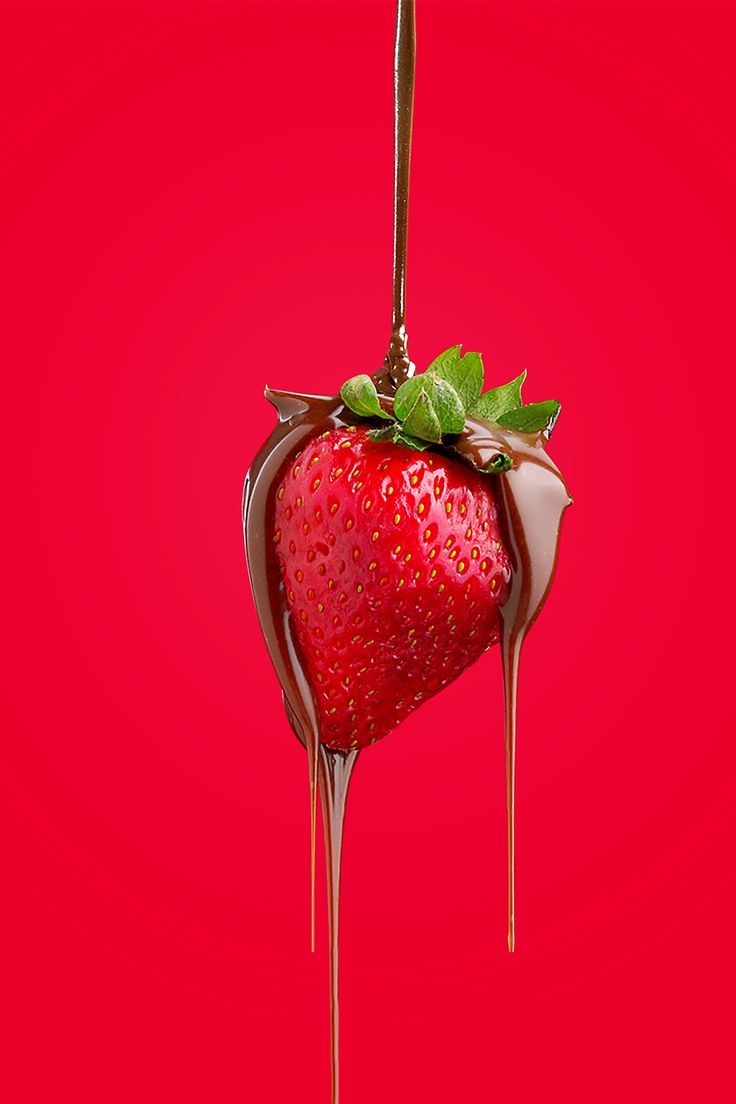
(531, 498)
(299, 417)
(335, 771)
(397, 366)
(404, 64)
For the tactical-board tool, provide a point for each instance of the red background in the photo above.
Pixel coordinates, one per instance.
(197, 202)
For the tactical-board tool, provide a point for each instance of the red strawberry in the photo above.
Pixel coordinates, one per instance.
(393, 569)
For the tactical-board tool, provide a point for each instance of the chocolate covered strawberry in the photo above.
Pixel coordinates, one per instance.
(392, 562)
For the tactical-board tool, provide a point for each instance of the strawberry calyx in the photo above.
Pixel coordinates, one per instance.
(431, 408)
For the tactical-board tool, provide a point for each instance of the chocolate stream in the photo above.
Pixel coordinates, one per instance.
(404, 65)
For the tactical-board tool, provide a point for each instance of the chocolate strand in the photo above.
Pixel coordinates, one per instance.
(397, 366)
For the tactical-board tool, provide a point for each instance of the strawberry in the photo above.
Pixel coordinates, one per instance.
(393, 571)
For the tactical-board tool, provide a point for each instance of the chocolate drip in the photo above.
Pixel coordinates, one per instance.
(533, 497)
(335, 771)
(397, 366)
(298, 417)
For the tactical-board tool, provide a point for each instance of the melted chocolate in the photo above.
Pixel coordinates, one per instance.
(299, 417)
(335, 771)
(397, 358)
(531, 499)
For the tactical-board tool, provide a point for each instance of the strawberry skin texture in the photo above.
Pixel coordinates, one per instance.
(393, 570)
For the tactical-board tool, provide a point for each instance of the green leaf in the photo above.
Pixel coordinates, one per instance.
(360, 395)
(499, 400)
(498, 464)
(422, 420)
(465, 374)
(442, 395)
(446, 361)
(448, 406)
(532, 418)
(407, 395)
